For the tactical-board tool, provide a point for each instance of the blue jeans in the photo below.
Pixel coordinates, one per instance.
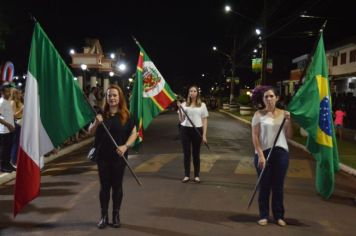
(273, 180)
(15, 144)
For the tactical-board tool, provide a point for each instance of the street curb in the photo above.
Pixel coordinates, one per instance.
(6, 177)
(343, 167)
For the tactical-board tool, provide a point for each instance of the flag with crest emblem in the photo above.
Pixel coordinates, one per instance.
(151, 94)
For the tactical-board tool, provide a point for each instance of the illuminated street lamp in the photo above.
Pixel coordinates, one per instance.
(231, 59)
(258, 31)
(84, 67)
(228, 9)
(122, 67)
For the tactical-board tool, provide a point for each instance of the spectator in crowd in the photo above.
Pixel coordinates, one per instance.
(7, 127)
(16, 101)
(340, 114)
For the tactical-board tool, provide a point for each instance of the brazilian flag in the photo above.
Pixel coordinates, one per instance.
(311, 109)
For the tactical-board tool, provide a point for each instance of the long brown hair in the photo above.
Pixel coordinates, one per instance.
(189, 100)
(124, 113)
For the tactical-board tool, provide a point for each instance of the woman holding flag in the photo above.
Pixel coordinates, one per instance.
(265, 125)
(110, 161)
(193, 130)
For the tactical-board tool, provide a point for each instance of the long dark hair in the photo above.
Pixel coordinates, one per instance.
(124, 113)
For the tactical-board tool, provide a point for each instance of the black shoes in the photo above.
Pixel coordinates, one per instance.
(104, 221)
(7, 168)
(116, 219)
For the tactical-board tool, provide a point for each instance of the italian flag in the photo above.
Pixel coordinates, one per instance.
(55, 109)
(151, 94)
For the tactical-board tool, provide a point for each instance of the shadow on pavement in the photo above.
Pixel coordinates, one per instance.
(7, 221)
(212, 217)
(154, 231)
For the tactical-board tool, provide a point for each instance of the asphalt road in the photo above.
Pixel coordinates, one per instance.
(69, 205)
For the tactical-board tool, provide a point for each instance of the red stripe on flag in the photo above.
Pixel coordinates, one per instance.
(162, 99)
(140, 61)
(28, 177)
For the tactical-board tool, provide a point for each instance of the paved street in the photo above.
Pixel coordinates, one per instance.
(69, 205)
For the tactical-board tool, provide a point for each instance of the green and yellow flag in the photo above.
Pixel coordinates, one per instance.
(311, 109)
(151, 94)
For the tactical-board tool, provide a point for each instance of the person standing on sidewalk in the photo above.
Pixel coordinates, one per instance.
(191, 139)
(16, 101)
(265, 125)
(110, 161)
(7, 127)
(340, 114)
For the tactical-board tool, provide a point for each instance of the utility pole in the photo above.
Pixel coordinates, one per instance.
(233, 64)
(264, 45)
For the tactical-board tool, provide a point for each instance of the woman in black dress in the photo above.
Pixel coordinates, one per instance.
(110, 162)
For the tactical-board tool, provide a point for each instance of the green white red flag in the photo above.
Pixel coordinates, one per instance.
(55, 109)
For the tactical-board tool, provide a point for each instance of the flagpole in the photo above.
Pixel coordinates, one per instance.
(310, 55)
(114, 142)
(267, 159)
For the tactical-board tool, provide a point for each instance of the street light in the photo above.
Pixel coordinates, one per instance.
(121, 67)
(84, 67)
(228, 9)
(232, 61)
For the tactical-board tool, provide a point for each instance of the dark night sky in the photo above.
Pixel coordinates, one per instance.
(178, 35)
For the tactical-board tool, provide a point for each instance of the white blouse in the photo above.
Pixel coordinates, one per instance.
(268, 130)
(196, 114)
(7, 114)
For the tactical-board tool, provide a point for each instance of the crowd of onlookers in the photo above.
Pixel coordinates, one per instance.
(11, 111)
(347, 103)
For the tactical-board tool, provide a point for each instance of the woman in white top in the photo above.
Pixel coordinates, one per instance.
(265, 125)
(191, 139)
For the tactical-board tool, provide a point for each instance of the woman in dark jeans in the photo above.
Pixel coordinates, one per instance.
(110, 162)
(198, 114)
(265, 125)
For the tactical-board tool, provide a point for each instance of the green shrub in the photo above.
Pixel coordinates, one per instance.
(244, 100)
(225, 100)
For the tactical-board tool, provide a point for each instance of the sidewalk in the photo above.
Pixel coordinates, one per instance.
(6, 177)
(343, 167)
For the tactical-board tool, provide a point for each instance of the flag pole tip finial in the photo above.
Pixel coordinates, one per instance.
(32, 18)
(134, 38)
